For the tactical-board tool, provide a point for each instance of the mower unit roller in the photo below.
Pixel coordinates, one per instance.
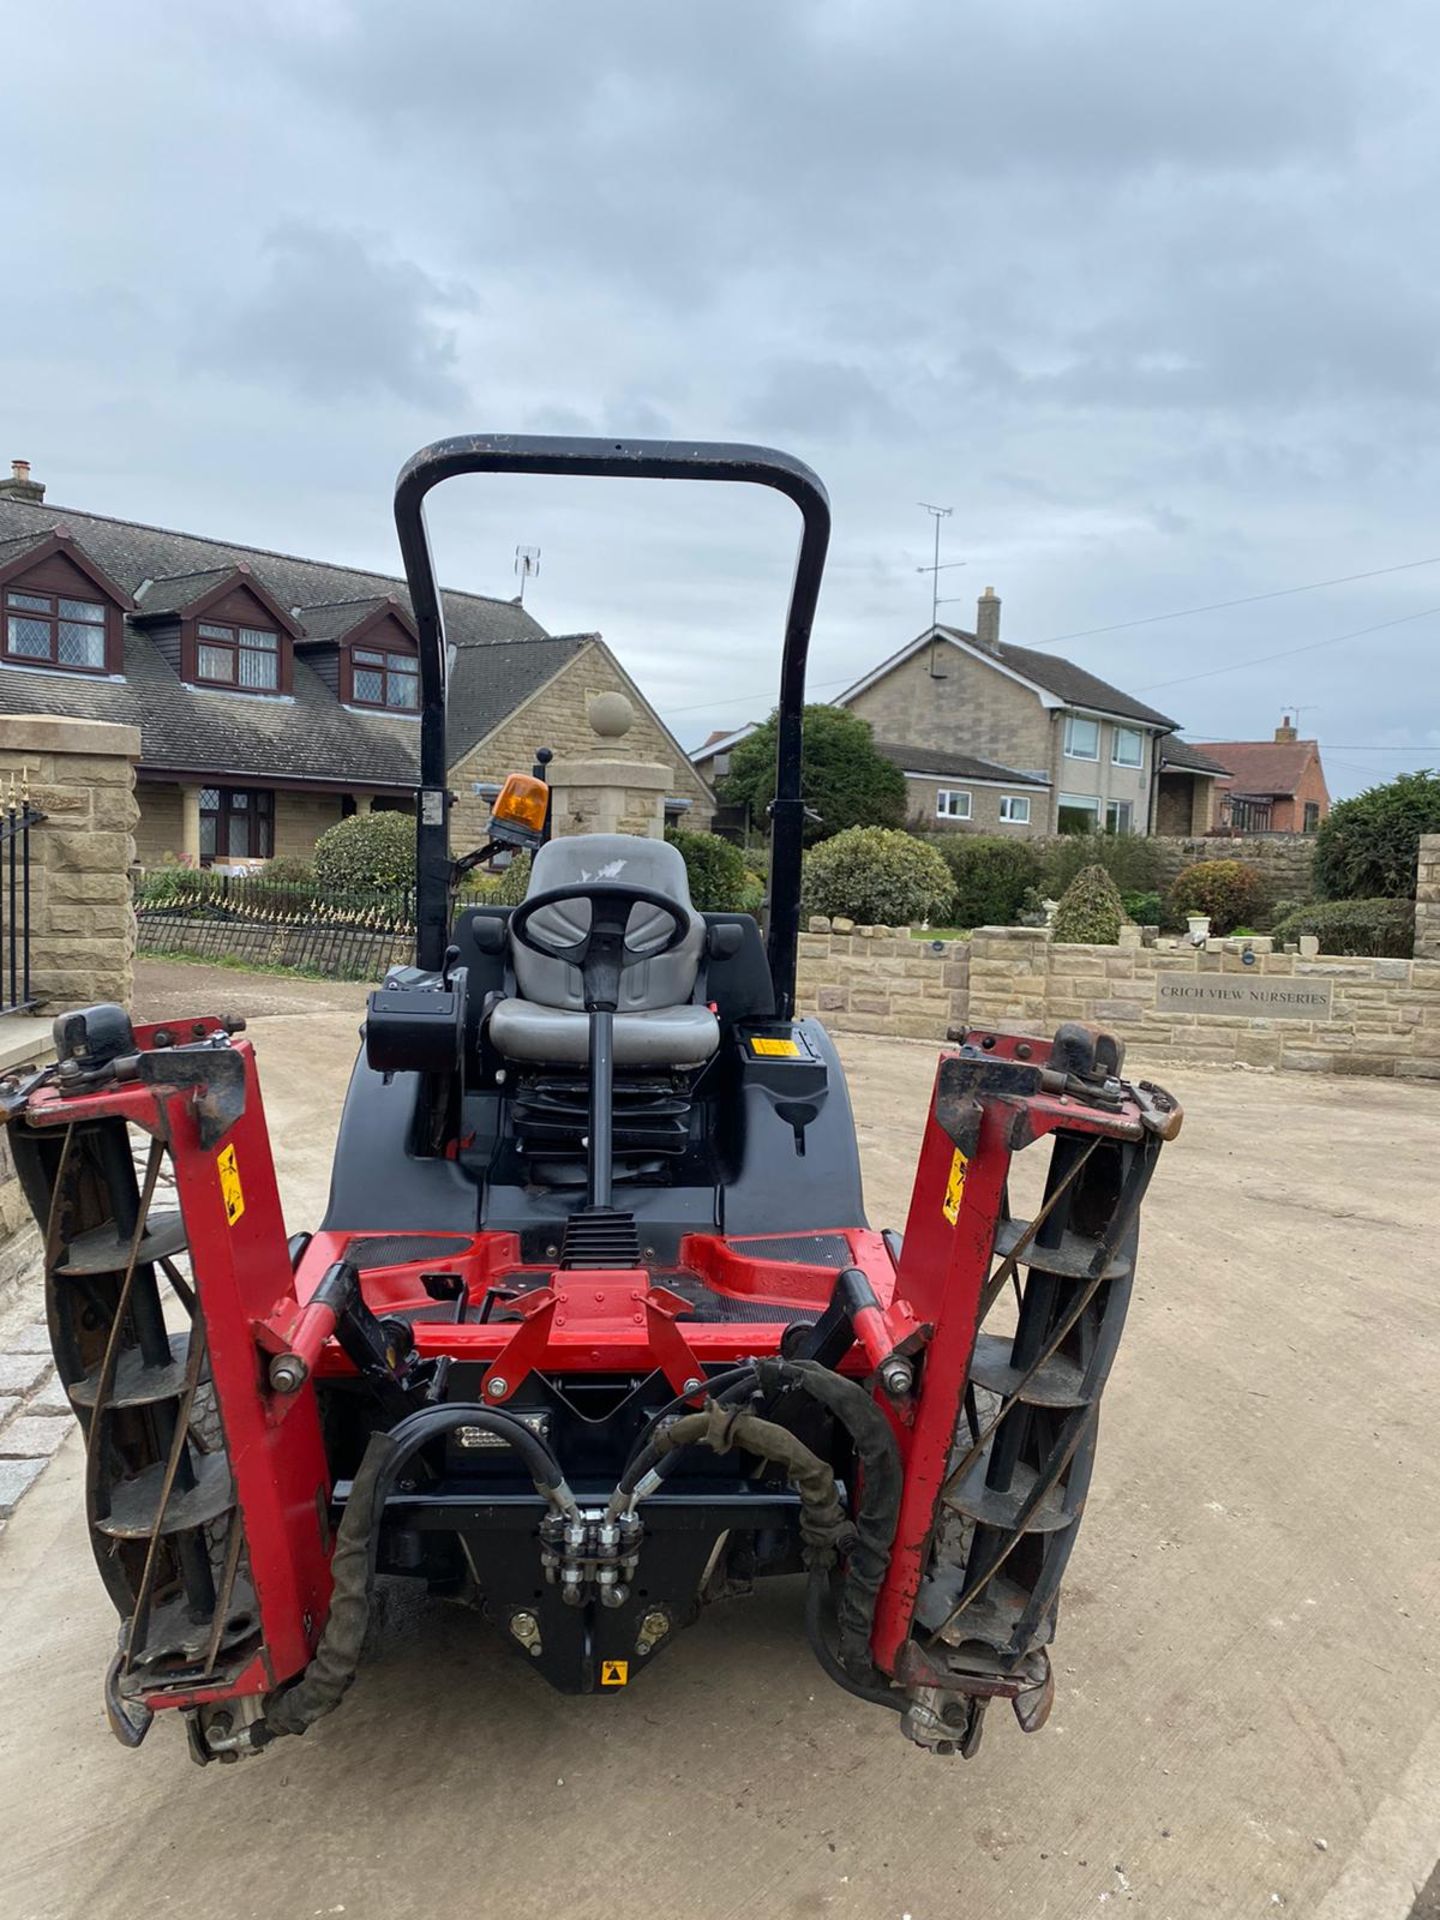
(595, 1331)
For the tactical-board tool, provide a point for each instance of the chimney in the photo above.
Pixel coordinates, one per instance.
(20, 486)
(987, 619)
(1285, 734)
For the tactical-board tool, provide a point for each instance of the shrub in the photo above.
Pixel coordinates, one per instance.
(367, 850)
(716, 870)
(1131, 860)
(1379, 928)
(844, 779)
(1144, 909)
(1366, 848)
(990, 876)
(752, 894)
(1089, 910)
(1228, 890)
(288, 872)
(876, 875)
(508, 890)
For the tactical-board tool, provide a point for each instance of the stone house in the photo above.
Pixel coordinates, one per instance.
(276, 695)
(1038, 745)
(1271, 786)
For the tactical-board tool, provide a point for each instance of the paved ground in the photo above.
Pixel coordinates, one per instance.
(1248, 1717)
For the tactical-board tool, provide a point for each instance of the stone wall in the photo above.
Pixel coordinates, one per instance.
(880, 980)
(1383, 1018)
(81, 775)
(1427, 899)
(1283, 860)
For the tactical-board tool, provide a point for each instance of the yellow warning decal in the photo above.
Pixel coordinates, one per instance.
(955, 1187)
(614, 1673)
(776, 1049)
(231, 1192)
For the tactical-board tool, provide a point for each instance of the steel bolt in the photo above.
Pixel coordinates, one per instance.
(692, 1385)
(497, 1386)
(897, 1378)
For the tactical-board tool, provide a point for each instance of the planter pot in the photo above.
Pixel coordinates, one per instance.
(1198, 927)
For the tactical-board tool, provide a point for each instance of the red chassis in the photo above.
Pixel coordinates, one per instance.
(912, 1340)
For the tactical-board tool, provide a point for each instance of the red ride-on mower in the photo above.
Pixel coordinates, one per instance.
(595, 1331)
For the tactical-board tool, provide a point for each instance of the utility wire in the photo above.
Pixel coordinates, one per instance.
(1287, 653)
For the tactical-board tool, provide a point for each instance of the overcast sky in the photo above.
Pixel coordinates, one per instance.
(1148, 294)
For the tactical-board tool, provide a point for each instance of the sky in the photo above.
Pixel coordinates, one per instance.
(1148, 295)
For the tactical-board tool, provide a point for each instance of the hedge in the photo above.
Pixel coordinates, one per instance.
(1377, 929)
(1230, 891)
(716, 871)
(367, 850)
(990, 877)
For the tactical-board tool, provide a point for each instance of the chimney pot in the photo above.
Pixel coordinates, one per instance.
(20, 486)
(987, 619)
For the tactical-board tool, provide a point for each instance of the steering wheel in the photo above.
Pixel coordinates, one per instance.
(601, 952)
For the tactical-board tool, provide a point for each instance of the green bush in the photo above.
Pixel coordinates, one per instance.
(1366, 848)
(1144, 909)
(845, 781)
(1089, 910)
(716, 870)
(1230, 891)
(508, 890)
(367, 850)
(1380, 928)
(287, 872)
(877, 876)
(1131, 860)
(990, 876)
(162, 886)
(752, 894)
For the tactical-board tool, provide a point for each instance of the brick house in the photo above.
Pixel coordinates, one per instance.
(1003, 738)
(276, 695)
(1272, 786)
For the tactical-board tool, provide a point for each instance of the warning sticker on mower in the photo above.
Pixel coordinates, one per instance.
(775, 1049)
(955, 1187)
(231, 1192)
(614, 1673)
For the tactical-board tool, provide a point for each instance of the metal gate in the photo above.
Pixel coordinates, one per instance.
(17, 817)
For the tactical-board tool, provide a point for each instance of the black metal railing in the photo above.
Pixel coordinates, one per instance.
(17, 817)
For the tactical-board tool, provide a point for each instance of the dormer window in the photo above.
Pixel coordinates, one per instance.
(379, 678)
(51, 630)
(244, 657)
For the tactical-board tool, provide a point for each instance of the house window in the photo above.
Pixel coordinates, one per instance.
(47, 630)
(382, 679)
(1119, 815)
(243, 657)
(1078, 813)
(236, 823)
(1247, 814)
(1082, 737)
(952, 803)
(1312, 815)
(1015, 807)
(1128, 749)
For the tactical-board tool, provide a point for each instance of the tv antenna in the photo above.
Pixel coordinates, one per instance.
(527, 566)
(937, 568)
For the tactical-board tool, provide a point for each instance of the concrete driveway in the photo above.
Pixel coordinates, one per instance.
(1248, 1712)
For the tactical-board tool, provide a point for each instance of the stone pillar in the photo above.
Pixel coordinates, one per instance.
(81, 776)
(190, 826)
(608, 793)
(1427, 898)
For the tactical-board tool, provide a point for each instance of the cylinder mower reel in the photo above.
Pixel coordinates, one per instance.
(595, 1332)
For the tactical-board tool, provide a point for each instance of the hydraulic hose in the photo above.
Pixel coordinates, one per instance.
(332, 1670)
(877, 1695)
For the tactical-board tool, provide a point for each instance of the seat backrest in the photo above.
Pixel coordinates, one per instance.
(581, 859)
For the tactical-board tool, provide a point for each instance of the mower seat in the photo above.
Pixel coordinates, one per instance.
(657, 1023)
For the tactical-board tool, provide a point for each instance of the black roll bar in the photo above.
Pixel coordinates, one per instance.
(609, 459)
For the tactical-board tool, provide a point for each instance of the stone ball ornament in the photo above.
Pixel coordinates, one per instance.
(611, 715)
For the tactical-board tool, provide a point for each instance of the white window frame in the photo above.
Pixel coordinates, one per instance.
(1072, 720)
(943, 812)
(1127, 733)
(1008, 803)
(1113, 806)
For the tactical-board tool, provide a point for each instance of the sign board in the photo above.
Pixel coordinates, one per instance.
(1246, 997)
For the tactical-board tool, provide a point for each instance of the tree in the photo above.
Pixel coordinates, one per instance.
(1090, 910)
(843, 778)
(1367, 847)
